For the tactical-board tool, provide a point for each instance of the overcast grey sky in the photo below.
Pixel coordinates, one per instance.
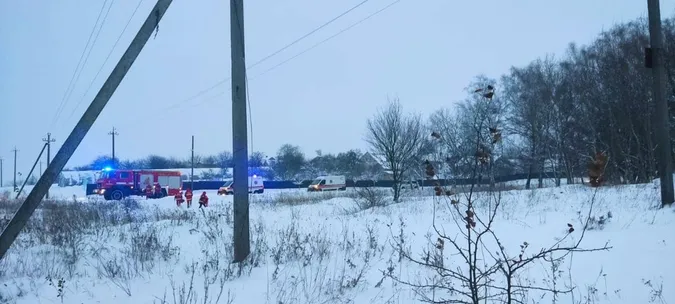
(423, 51)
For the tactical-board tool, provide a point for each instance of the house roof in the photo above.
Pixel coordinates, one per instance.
(373, 159)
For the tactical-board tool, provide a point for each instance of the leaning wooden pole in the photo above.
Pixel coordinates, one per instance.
(10, 233)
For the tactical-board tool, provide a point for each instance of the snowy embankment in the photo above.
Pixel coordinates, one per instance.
(323, 248)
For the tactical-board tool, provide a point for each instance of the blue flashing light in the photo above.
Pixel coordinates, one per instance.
(107, 169)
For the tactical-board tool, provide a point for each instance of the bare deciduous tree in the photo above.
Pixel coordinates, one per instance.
(526, 92)
(395, 137)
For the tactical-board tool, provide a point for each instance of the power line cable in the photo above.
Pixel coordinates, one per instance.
(76, 73)
(77, 67)
(310, 33)
(175, 105)
(327, 39)
(107, 57)
(204, 91)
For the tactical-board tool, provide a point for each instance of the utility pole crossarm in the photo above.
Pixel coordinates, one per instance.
(49, 138)
(20, 218)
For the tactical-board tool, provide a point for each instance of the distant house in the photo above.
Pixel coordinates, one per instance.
(376, 168)
(370, 160)
(379, 168)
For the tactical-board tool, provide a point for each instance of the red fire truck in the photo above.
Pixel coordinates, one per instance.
(118, 184)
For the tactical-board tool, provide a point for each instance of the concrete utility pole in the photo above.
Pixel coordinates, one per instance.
(241, 234)
(192, 166)
(15, 151)
(113, 133)
(49, 140)
(655, 58)
(34, 198)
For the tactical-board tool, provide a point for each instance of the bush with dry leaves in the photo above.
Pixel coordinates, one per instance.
(489, 272)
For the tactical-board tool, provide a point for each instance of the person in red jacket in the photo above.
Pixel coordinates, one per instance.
(188, 197)
(179, 198)
(148, 191)
(203, 200)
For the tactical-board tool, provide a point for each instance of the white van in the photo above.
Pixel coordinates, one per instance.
(411, 185)
(328, 183)
(255, 185)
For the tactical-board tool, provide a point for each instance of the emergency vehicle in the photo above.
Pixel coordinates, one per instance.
(328, 183)
(118, 184)
(255, 185)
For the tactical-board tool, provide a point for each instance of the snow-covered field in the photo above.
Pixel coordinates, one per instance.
(324, 248)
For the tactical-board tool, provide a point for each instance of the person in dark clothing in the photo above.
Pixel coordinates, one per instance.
(158, 190)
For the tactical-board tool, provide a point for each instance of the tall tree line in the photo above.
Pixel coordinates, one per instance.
(596, 98)
(555, 114)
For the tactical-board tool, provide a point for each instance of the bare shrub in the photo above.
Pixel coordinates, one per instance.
(308, 274)
(490, 273)
(5, 195)
(370, 197)
(596, 223)
(186, 291)
(655, 291)
(293, 245)
(216, 244)
(73, 232)
(214, 225)
(299, 198)
(146, 245)
(176, 217)
(142, 249)
(118, 270)
(59, 286)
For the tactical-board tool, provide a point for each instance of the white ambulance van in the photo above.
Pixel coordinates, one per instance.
(255, 185)
(328, 183)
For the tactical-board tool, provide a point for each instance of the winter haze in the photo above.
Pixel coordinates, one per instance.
(424, 52)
